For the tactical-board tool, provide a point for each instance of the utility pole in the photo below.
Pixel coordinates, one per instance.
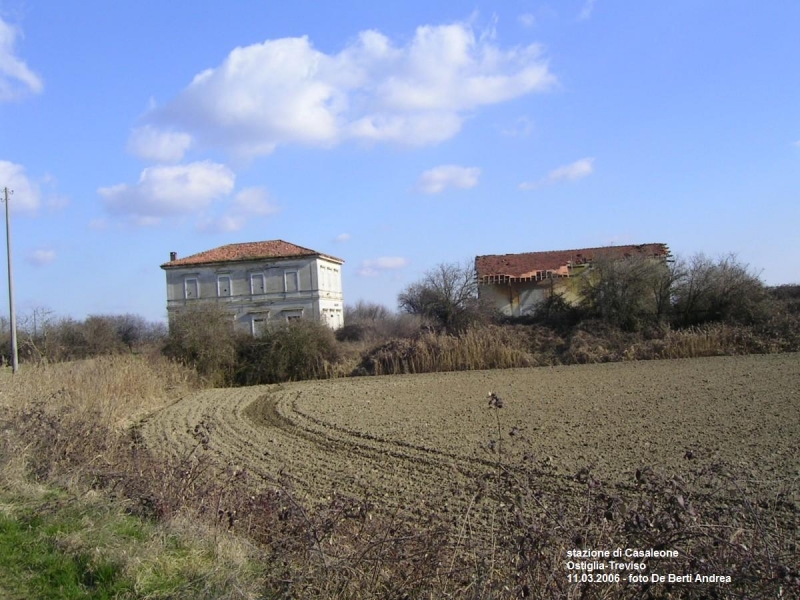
(13, 322)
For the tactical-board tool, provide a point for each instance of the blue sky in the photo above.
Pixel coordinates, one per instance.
(394, 135)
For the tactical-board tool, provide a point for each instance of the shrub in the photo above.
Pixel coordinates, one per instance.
(45, 338)
(362, 312)
(201, 336)
(363, 320)
(554, 312)
(292, 352)
(723, 290)
(788, 293)
(628, 293)
(374, 323)
(783, 321)
(352, 332)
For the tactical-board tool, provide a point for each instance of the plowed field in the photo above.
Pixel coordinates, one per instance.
(415, 443)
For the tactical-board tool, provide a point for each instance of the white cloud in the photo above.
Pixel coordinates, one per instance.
(526, 20)
(285, 91)
(165, 191)
(586, 11)
(247, 204)
(41, 257)
(26, 196)
(151, 143)
(223, 224)
(577, 170)
(342, 238)
(797, 143)
(375, 266)
(16, 79)
(98, 224)
(440, 178)
(413, 130)
(254, 201)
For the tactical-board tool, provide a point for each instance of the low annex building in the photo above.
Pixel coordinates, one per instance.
(260, 283)
(516, 284)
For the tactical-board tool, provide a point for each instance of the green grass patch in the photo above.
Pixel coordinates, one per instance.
(53, 545)
(33, 565)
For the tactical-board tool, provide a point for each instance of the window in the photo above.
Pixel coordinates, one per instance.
(191, 288)
(258, 326)
(293, 314)
(257, 284)
(291, 282)
(223, 286)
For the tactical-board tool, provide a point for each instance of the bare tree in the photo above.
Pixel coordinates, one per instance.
(662, 284)
(721, 290)
(447, 294)
(37, 341)
(363, 311)
(629, 292)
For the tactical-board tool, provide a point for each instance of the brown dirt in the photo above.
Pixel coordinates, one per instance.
(418, 443)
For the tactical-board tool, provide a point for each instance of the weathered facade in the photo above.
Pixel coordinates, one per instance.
(260, 283)
(516, 284)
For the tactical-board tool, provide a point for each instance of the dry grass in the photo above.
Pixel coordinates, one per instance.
(502, 347)
(118, 389)
(716, 339)
(66, 420)
(71, 427)
(486, 347)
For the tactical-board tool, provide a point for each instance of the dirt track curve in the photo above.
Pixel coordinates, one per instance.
(412, 443)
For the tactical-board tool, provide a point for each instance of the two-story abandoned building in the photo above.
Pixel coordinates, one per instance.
(260, 283)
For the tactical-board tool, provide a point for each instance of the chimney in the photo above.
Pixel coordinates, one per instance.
(173, 256)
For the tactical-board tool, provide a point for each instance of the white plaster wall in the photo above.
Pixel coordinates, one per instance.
(517, 299)
(277, 302)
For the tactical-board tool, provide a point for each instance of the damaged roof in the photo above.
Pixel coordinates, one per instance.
(248, 251)
(540, 265)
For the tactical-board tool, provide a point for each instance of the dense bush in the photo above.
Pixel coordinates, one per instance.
(202, 336)
(294, 351)
(788, 294)
(554, 312)
(630, 293)
(42, 337)
(366, 312)
(378, 326)
(723, 290)
(639, 292)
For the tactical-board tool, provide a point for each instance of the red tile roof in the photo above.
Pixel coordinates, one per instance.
(539, 265)
(247, 251)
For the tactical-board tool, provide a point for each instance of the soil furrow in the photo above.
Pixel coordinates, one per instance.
(427, 442)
